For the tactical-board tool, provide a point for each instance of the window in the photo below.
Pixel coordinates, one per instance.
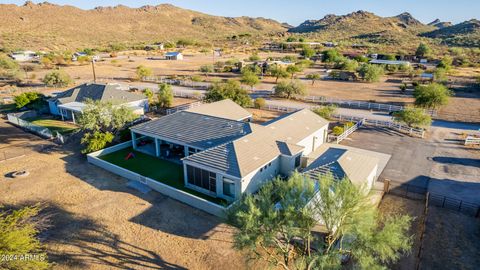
(297, 161)
(228, 187)
(202, 178)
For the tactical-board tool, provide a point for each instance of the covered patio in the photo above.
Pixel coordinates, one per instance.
(161, 148)
(71, 111)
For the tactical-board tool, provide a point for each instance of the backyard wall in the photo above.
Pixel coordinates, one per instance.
(174, 193)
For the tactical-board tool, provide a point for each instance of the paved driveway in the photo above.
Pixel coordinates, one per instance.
(439, 162)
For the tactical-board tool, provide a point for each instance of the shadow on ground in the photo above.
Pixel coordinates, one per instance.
(89, 243)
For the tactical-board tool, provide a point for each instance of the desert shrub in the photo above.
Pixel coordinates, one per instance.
(337, 130)
(259, 103)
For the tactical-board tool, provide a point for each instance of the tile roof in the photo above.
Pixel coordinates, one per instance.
(195, 130)
(224, 109)
(263, 145)
(96, 91)
(343, 161)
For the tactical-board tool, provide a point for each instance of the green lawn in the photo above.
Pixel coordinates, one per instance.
(161, 170)
(54, 125)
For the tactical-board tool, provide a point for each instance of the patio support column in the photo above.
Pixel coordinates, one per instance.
(185, 176)
(73, 117)
(157, 148)
(134, 140)
(61, 113)
(186, 150)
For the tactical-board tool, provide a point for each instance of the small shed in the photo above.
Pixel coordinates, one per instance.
(174, 56)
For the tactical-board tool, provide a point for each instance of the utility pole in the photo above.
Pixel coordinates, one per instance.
(93, 69)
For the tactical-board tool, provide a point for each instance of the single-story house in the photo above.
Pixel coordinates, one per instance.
(174, 56)
(225, 157)
(24, 56)
(71, 102)
(224, 109)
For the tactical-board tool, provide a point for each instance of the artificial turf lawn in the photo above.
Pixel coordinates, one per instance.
(157, 169)
(54, 125)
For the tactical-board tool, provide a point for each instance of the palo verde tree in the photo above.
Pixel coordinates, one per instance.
(149, 94)
(249, 78)
(326, 111)
(57, 78)
(290, 89)
(308, 52)
(431, 96)
(423, 50)
(143, 71)
(313, 77)
(413, 117)
(206, 69)
(276, 225)
(278, 72)
(229, 90)
(102, 122)
(294, 69)
(18, 237)
(165, 95)
(371, 73)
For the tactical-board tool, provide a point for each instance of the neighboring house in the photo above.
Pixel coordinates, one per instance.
(174, 56)
(24, 56)
(389, 62)
(70, 103)
(224, 109)
(152, 47)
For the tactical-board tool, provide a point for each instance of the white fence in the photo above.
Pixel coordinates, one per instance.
(346, 133)
(167, 190)
(41, 131)
(359, 104)
(183, 107)
(187, 83)
(470, 140)
(188, 94)
(417, 132)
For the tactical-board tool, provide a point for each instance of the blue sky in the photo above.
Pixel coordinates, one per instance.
(295, 12)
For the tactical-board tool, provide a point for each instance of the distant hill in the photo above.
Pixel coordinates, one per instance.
(462, 34)
(365, 27)
(49, 26)
(439, 24)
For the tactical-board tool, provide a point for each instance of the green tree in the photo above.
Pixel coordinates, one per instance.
(9, 68)
(446, 63)
(206, 69)
(278, 72)
(371, 73)
(57, 78)
(326, 111)
(413, 117)
(423, 50)
(431, 96)
(229, 90)
(18, 236)
(440, 75)
(294, 69)
(259, 103)
(32, 100)
(249, 78)
(290, 89)
(149, 94)
(165, 95)
(313, 77)
(96, 141)
(143, 71)
(330, 56)
(307, 51)
(276, 225)
(104, 117)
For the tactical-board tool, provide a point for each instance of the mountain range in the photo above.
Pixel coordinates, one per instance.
(53, 27)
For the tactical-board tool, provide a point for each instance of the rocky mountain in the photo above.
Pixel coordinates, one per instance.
(49, 26)
(439, 24)
(463, 34)
(364, 27)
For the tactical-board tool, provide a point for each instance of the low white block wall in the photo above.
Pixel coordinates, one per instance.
(167, 190)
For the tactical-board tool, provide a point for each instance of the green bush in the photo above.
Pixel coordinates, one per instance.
(259, 103)
(337, 131)
(57, 78)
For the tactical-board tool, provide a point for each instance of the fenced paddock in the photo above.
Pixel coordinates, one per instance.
(182, 196)
(346, 133)
(433, 199)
